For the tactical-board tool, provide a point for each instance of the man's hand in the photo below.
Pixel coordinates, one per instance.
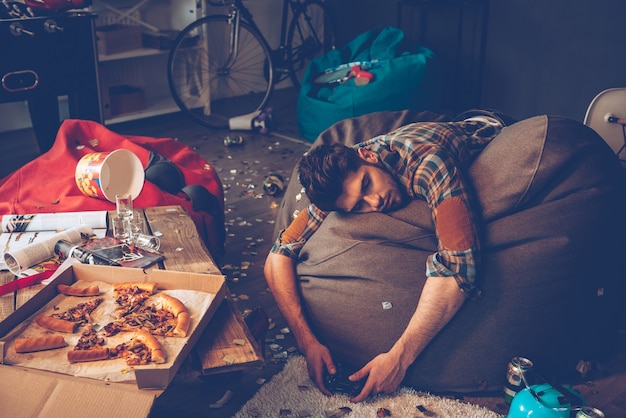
(384, 375)
(439, 301)
(319, 360)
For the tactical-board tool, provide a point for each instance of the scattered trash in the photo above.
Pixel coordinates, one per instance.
(274, 185)
(425, 411)
(229, 359)
(223, 400)
(344, 410)
(233, 141)
(383, 412)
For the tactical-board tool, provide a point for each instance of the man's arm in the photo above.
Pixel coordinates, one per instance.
(280, 275)
(440, 300)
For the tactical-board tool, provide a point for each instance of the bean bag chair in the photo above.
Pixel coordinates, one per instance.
(175, 175)
(404, 76)
(552, 199)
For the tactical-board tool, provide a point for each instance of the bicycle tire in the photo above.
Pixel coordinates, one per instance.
(237, 88)
(312, 32)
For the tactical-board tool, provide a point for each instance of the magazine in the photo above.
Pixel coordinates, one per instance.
(28, 240)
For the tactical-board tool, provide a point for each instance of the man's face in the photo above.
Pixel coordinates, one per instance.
(370, 188)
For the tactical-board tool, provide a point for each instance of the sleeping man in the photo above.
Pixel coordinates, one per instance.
(425, 160)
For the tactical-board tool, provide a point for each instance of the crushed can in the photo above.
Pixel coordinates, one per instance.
(274, 185)
(233, 141)
(518, 372)
(589, 412)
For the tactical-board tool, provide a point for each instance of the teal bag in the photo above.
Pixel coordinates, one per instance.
(404, 77)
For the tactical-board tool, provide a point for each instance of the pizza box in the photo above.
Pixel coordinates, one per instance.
(50, 393)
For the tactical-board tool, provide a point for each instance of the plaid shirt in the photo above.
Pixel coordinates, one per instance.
(428, 160)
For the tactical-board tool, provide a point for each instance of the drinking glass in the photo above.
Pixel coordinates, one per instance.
(121, 228)
(124, 205)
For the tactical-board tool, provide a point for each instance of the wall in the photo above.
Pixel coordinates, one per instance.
(541, 56)
(554, 56)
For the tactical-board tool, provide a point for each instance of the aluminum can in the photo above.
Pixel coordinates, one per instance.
(519, 369)
(589, 412)
(274, 185)
(232, 141)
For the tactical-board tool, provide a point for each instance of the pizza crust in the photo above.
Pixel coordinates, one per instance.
(149, 287)
(78, 291)
(157, 354)
(93, 354)
(56, 324)
(176, 308)
(31, 344)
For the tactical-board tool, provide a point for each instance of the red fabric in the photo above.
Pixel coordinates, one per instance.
(47, 185)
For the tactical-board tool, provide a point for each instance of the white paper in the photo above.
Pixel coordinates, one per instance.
(53, 221)
(19, 260)
(27, 240)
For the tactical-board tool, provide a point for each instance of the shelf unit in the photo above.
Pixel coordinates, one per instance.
(142, 68)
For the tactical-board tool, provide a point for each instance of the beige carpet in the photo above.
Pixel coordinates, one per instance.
(291, 393)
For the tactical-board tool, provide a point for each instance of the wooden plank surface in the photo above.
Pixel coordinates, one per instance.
(180, 241)
(226, 345)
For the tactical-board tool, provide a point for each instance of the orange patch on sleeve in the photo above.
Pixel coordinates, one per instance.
(454, 225)
(295, 229)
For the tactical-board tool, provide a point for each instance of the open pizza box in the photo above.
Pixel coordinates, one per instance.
(29, 389)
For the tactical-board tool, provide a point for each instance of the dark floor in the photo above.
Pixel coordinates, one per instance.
(249, 219)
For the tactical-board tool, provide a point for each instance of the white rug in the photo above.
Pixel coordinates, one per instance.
(291, 393)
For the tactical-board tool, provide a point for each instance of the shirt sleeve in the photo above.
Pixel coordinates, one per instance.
(291, 240)
(439, 181)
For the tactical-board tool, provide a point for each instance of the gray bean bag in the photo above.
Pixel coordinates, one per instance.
(552, 198)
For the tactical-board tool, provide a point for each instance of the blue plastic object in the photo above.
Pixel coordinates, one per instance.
(544, 401)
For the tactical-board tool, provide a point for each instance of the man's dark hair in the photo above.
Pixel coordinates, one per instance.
(323, 170)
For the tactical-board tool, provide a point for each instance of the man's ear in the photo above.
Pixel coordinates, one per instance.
(367, 155)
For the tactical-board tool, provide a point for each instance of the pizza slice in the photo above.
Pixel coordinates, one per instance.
(142, 349)
(130, 296)
(90, 347)
(162, 315)
(178, 310)
(71, 319)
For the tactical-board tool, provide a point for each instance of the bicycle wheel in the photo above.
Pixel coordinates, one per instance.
(312, 32)
(208, 82)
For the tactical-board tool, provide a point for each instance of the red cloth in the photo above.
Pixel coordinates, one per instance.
(47, 185)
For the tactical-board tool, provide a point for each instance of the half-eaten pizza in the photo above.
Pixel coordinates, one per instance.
(140, 312)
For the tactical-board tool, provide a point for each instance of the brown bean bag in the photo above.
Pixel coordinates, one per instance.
(552, 198)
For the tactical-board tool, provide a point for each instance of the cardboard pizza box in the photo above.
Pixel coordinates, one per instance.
(50, 393)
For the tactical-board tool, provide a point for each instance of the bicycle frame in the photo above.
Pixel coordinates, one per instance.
(238, 11)
(239, 75)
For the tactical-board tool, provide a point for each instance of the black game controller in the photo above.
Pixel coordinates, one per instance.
(339, 382)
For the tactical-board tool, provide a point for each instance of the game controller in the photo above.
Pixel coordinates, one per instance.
(339, 382)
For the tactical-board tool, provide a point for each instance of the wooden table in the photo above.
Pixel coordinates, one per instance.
(227, 344)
